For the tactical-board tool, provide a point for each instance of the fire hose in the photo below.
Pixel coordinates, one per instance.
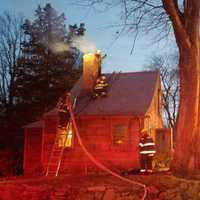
(93, 159)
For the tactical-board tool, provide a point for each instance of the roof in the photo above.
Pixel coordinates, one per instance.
(128, 93)
(37, 124)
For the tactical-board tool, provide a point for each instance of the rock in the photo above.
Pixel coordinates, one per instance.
(177, 197)
(109, 195)
(128, 194)
(169, 195)
(168, 182)
(152, 189)
(192, 189)
(184, 186)
(98, 195)
(162, 196)
(96, 189)
(86, 196)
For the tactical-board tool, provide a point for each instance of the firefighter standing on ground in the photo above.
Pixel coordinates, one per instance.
(147, 152)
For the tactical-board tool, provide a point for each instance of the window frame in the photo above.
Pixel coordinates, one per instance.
(126, 141)
(61, 143)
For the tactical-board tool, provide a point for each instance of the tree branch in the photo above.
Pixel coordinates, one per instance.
(171, 7)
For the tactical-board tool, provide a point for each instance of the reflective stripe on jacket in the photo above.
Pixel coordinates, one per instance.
(147, 146)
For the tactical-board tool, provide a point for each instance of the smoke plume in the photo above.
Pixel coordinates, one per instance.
(58, 47)
(84, 44)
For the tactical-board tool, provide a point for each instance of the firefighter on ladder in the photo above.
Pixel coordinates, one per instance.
(147, 152)
(64, 114)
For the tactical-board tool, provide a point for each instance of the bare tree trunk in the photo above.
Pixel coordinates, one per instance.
(187, 152)
(186, 30)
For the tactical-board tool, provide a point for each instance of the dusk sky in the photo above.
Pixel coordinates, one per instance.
(118, 52)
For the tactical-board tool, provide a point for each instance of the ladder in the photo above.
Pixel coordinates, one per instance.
(57, 151)
(63, 139)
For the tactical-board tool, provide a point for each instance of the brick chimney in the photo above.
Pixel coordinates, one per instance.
(91, 70)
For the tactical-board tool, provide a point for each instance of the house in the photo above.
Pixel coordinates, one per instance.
(109, 126)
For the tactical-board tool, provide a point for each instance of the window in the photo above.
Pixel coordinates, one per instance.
(119, 133)
(65, 138)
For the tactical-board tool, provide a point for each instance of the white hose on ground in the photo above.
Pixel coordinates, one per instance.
(94, 160)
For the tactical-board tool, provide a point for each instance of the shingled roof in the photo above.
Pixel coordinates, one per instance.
(37, 124)
(128, 93)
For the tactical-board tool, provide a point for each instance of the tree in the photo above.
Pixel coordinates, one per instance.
(11, 36)
(46, 68)
(167, 65)
(184, 18)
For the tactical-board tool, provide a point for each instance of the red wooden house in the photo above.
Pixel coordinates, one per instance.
(109, 126)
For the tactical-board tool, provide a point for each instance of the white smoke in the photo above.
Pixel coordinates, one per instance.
(58, 47)
(84, 44)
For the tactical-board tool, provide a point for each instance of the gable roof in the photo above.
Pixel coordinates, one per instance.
(37, 124)
(128, 93)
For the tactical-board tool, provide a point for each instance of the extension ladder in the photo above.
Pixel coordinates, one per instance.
(57, 151)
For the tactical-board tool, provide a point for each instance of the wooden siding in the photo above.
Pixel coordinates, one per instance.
(153, 119)
(97, 136)
(50, 130)
(32, 150)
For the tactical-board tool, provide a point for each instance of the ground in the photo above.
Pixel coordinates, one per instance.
(160, 186)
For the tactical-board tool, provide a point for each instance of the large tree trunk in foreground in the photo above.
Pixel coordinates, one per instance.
(187, 152)
(186, 29)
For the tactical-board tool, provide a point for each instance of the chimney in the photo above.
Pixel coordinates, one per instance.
(91, 70)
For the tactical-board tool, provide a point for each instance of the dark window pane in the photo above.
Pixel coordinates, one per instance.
(119, 133)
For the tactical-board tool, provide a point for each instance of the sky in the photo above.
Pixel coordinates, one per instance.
(99, 30)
